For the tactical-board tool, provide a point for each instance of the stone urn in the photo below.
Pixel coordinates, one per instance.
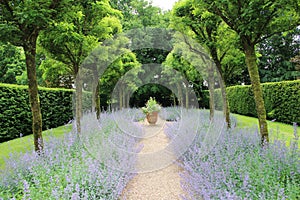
(152, 117)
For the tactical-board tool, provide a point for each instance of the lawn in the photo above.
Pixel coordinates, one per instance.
(26, 143)
(280, 131)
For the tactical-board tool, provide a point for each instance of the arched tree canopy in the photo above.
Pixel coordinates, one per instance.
(163, 95)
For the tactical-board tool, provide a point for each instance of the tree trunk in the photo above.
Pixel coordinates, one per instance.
(174, 100)
(251, 62)
(30, 52)
(180, 98)
(96, 97)
(226, 110)
(120, 99)
(94, 87)
(124, 99)
(127, 100)
(78, 85)
(187, 97)
(211, 88)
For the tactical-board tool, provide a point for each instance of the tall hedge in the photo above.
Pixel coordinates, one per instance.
(282, 100)
(15, 113)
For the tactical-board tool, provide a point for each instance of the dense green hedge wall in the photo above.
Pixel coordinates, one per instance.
(15, 113)
(282, 100)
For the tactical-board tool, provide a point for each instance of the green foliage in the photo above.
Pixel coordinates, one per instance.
(56, 74)
(72, 38)
(178, 63)
(161, 93)
(123, 71)
(256, 19)
(20, 19)
(151, 106)
(138, 13)
(282, 100)
(217, 38)
(12, 63)
(276, 53)
(15, 115)
(241, 100)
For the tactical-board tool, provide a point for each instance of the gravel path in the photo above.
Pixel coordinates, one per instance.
(160, 184)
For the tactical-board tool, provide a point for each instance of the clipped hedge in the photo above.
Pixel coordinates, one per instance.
(282, 100)
(15, 113)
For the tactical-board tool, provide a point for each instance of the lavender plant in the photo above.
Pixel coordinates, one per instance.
(237, 167)
(170, 113)
(132, 114)
(68, 169)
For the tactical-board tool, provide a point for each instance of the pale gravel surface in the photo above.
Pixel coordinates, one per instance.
(162, 184)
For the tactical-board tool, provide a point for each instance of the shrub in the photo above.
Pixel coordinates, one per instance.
(15, 113)
(282, 100)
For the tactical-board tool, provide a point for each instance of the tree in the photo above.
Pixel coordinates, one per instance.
(12, 63)
(276, 53)
(137, 13)
(138, 16)
(187, 71)
(21, 23)
(71, 40)
(187, 49)
(120, 75)
(207, 29)
(296, 61)
(162, 95)
(254, 21)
